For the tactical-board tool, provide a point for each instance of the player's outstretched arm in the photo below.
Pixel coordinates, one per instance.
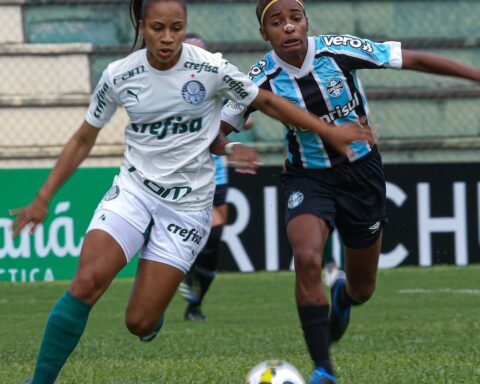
(426, 62)
(339, 137)
(74, 152)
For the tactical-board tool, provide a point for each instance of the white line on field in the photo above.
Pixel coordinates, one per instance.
(441, 290)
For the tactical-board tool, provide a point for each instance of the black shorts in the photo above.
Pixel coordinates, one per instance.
(350, 197)
(220, 196)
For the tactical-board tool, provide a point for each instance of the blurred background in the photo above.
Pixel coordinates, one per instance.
(52, 53)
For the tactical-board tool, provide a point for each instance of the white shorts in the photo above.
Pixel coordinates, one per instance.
(127, 212)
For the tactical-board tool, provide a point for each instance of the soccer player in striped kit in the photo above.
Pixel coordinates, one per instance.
(173, 94)
(324, 188)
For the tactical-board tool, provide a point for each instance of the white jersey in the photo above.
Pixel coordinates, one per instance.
(174, 117)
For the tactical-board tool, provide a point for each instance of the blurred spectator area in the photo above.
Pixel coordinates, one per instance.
(52, 53)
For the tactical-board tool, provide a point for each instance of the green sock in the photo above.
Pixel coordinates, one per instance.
(65, 326)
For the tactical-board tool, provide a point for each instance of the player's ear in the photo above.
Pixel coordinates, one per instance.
(263, 33)
(141, 27)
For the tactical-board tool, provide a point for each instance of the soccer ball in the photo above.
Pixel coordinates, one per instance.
(274, 372)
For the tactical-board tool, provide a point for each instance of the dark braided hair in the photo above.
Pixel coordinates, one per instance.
(137, 12)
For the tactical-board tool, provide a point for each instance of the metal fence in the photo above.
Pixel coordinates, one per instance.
(52, 53)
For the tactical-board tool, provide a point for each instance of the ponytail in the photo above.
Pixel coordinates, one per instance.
(136, 14)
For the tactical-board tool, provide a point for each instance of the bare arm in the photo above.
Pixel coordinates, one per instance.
(426, 62)
(337, 136)
(74, 152)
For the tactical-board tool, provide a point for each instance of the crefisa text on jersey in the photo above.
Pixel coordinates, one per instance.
(101, 100)
(201, 67)
(161, 128)
(236, 86)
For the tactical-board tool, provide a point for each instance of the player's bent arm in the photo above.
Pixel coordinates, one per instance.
(74, 152)
(226, 128)
(426, 62)
(283, 110)
(338, 136)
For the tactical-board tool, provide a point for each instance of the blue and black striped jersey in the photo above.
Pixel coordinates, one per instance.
(327, 86)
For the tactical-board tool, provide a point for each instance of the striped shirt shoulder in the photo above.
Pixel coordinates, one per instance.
(264, 69)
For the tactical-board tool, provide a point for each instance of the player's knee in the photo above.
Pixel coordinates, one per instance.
(139, 325)
(87, 287)
(361, 293)
(307, 261)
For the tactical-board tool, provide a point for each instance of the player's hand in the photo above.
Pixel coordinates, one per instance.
(34, 213)
(244, 159)
(340, 136)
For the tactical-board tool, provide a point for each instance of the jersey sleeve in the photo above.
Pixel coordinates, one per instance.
(358, 53)
(234, 114)
(103, 104)
(235, 85)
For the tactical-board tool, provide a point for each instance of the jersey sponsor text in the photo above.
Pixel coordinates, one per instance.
(201, 67)
(101, 100)
(342, 110)
(184, 233)
(353, 42)
(161, 128)
(236, 86)
(129, 74)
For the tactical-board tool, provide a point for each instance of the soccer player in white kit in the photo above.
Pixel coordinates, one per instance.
(173, 94)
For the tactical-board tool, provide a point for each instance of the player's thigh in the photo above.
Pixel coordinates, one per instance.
(155, 284)
(109, 243)
(175, 240)
(361, 265)
(307, 233)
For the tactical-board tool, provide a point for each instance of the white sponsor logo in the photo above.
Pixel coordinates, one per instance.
(353, 42)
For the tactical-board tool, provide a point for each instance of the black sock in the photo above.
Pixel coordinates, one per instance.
(316, 330)
(205, 267)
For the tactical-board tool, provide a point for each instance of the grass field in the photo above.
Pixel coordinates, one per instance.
(421, 326)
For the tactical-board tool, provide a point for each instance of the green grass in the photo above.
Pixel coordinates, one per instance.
(421, 326)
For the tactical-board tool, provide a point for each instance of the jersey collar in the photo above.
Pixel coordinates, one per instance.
(307, 63)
